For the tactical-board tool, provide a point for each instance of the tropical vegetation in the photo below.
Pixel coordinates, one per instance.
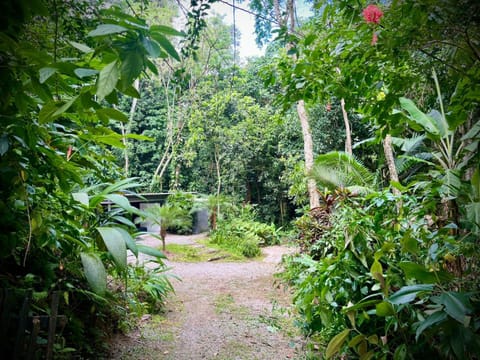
(355, 136)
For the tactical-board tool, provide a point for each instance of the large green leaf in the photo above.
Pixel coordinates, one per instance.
(418, 272)
(336, 343)
(129, 240)
(46, 112)
(107, 80)
(473, 133)
(426, 122)
(114, 114)
(115, 243)
(45, 73)
(81, 197)
(475, 182)
(83, 72)
(384, 309)
(151, 47)
(148, 250)
(140, 137)
(82, 47)
(166, 30)
(166, 45)
(94, 272)
(106, 29)
(473, 216)
(4, 144)
(457, 305)
(408, 293)
(132, 66)
(433, 319)
(65, 106)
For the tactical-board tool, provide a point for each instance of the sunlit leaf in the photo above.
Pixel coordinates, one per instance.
(106, 29)
(82, 73)
(65, 107)
(418, 117)
(408, 293)
(81, 197)
(82, 47)
(107, 80)
(45, 73)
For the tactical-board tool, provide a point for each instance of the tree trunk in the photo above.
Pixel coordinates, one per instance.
(387, 148)
(301, 111)
(308, 151)
(348, 131)
(126, 130)
(163, 235)
(219, 180)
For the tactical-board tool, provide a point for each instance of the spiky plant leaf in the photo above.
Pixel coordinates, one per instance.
(338, 169)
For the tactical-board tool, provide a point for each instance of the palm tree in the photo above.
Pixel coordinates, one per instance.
(166, 216)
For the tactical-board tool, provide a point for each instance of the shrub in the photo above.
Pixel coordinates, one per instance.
(390, 283)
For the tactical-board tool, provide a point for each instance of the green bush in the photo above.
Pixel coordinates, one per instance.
(239, 231)
(184, 202)
(389, 282)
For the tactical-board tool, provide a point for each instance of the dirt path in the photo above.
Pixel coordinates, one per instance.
(221, 310)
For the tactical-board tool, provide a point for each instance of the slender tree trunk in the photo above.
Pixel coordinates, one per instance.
(126, 130)
(308, 151)
(219, 180)
(348, 131)
(387, 148)
(301, 111)
(217, 168)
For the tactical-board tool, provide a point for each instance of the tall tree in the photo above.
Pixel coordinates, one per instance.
(284, 16)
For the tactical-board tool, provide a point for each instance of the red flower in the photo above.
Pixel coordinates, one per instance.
(374, 38)
(372, 14)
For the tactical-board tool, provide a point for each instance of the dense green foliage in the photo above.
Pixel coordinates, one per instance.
(238, 230)
(97, 102)
(63, 69)
(383, 275)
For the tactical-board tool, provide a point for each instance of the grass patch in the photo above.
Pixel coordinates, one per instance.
(234, 253)
(202, 252)
(186, 253)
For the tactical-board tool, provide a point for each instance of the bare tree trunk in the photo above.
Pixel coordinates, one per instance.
(308, 151)
(387, 149)
(301, 111)
(219, 180)
(348, 131)
(126, 130)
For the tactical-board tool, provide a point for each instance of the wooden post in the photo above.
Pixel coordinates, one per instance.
(33, 337)
(22, 324)
(52, 325)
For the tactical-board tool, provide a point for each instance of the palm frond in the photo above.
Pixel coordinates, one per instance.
(338, 169)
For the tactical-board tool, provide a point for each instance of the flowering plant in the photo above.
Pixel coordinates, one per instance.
(372, 14)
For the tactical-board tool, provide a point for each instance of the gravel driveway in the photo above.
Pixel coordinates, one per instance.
(220, 310)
